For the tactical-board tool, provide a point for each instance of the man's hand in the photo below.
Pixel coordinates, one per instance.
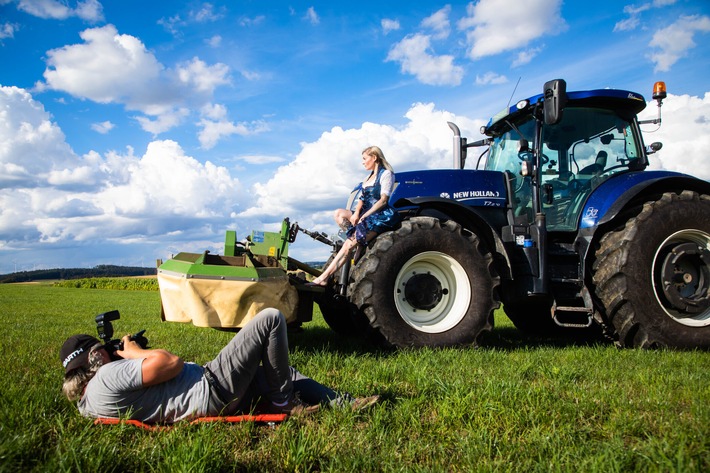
(131, 349)
(158, 365)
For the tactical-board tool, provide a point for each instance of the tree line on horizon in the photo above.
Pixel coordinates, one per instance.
(100, 271)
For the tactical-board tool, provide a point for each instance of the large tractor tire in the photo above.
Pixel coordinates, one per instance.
(428, 283)
(340, 315)
(653, 275)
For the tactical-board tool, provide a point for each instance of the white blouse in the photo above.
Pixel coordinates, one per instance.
(386, 182)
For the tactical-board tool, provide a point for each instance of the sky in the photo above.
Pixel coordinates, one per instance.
(132, 130)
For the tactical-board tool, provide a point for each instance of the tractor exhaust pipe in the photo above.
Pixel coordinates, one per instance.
(458, 163)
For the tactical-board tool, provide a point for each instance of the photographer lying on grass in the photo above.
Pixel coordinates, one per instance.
(156, 386)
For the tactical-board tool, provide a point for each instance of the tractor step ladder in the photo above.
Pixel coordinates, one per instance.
(571, 316)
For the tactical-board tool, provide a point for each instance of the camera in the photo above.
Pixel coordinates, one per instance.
(105, 331)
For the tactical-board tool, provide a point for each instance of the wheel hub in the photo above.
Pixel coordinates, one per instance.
(423, 291)
(432, 292)
(686, 278)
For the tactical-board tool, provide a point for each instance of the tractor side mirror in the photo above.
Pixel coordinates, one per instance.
(554, 100)
(653, 147)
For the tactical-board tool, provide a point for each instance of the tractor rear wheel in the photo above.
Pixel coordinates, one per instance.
(653, 275)
(428, 283)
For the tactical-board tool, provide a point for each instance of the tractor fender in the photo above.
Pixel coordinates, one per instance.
(479, 220)
(612, 196)
(616, 194)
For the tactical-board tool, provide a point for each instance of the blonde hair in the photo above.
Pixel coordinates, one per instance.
(379, 157)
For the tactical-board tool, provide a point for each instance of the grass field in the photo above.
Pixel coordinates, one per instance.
(515, 404)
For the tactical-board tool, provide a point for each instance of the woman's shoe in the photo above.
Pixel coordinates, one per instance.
(315, 284)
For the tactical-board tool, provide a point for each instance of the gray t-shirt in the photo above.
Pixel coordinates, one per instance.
(117, 391)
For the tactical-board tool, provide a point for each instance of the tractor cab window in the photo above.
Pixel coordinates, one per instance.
(506, 156)
(586, 148)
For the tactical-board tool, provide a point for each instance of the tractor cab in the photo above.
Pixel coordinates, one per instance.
(555, 159)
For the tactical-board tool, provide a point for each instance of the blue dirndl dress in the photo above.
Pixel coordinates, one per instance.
(383, 220)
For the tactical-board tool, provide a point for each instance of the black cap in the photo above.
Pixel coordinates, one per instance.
(75, 351)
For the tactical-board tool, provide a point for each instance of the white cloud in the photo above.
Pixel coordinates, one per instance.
(137, 80)
(257, 20)
(260, 160)
(80, 70)
(188, 189)
(214, 111)
(674, 41)
(88, 10)
(311, 16)
(389, 25)
(251, 75)
(414, 53)
(215, 125)
(31, 145)
(322, 175)
(214, 41)
(627, 24)
(172, 24)
(633, 20)
(197, 75)
(164, 121)
(439, 23)
(77, 176)
(48, 194)
(684, 132)
(490, 78)
(634, 12)
(524, 57)
(206, 13)
(492, 26)
(102, 127)
(7, 30)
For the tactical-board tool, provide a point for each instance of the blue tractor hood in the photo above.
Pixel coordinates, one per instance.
(475, 188)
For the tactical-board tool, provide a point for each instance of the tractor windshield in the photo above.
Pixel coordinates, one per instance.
(584, 149)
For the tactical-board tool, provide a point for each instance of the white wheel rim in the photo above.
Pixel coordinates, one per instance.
(701, 239)
(454, 301)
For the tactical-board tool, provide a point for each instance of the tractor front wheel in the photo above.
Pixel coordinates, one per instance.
(428, 283)
(340, 315)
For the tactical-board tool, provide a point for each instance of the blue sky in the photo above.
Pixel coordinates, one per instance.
(130, 130)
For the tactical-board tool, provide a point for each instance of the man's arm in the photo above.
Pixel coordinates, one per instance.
(158, 365)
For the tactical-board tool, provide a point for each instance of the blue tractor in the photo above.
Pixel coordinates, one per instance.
(563, 225)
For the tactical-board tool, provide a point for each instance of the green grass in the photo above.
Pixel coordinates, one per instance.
(515, 404)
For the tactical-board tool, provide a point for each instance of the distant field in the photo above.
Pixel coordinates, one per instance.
(515, 404)
(133, 283)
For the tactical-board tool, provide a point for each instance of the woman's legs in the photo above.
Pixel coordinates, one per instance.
(339, 259)
(342, 218)
(263, 340)
(337, 262)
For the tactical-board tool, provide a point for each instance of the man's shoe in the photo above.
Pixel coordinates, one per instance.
(294, 407)
(361, 403)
